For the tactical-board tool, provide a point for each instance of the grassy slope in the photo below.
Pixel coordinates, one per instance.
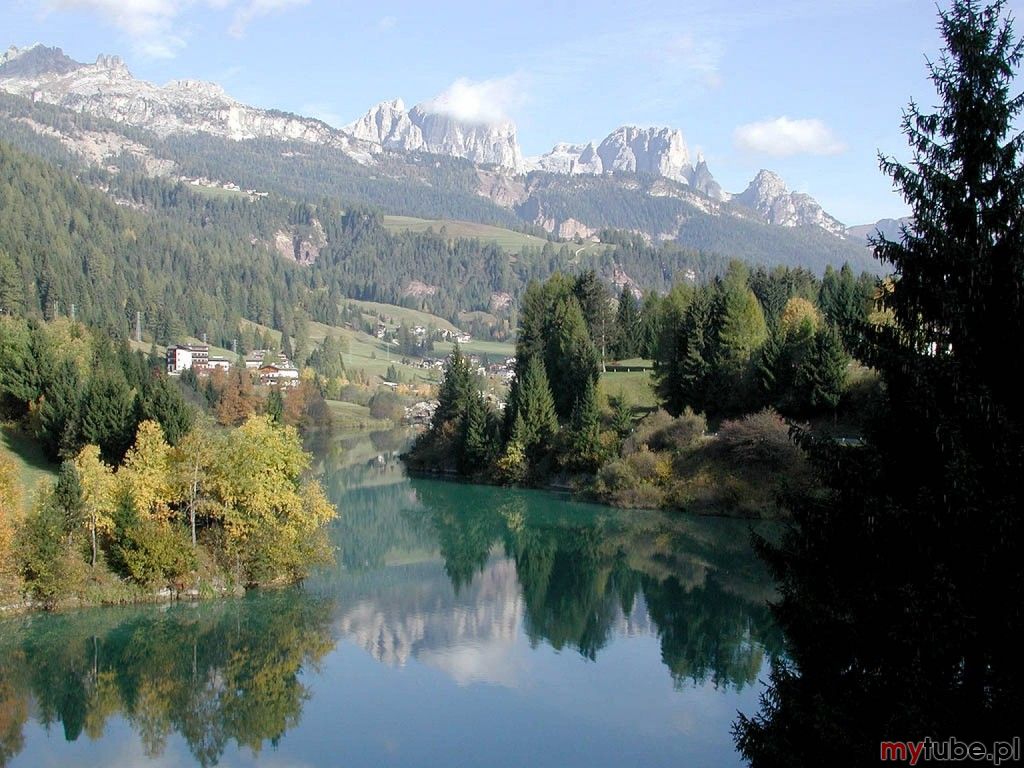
(365, 352)
(29, 459)
(396, 314)
(637, 388)
(478, 347)
(352, 417)
(505, 238)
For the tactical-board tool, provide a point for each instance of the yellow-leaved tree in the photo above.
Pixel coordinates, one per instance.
(273, 519)
(145, 476)
(192, 466)
(99, 496)
(799, 316)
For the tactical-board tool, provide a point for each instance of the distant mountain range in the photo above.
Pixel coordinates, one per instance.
(641, 179)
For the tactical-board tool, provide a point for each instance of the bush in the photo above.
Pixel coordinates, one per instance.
(645, 430)
(156, 554)
(385, 404)
(681, 434)
(44, 562)
(645, 465)
(760, 438)
(616, 475)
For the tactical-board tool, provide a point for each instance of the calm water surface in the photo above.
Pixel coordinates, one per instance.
(460, 626)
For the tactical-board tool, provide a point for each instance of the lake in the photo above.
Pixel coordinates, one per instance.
(461, 625)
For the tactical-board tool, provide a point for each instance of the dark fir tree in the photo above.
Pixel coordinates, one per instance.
(275, 405)
(902, 588)
(536, 408)
(595, 303)
(627, 325)
(456, 388)
(583, 434)
(821, 377)
(570, 359)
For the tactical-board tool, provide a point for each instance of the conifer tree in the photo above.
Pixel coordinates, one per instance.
(821, 377)
(456, 388)
(537, 410)
(478, 443)
(627, 325)
(902, 584)
(570, 359)
(584, 431)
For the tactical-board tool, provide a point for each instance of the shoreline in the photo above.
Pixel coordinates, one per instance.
(697, 509)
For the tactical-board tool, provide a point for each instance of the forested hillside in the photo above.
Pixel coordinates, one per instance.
(194, 263)
(428, 186)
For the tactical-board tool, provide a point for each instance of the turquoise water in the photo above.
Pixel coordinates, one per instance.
(461, 625)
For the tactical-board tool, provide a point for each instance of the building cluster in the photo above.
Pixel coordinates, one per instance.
(268, 367)
(460, 336)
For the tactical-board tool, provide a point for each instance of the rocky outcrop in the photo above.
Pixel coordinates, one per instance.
(768, 196)
(654, 151)
(888, 228)
(388, 126)
(301, 244)
(34, 61)
(629, 149)
(101, 147)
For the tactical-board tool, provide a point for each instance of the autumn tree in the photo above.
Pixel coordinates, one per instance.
(99, 499)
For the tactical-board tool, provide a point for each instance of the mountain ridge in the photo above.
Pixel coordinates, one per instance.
(643, 180)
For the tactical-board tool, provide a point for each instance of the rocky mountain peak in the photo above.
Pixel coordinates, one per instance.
(389, 126)
(768, 196)
(656, 151)
(35, 60)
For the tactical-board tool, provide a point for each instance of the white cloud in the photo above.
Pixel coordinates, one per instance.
(254, 9)
(148, 22)
(698, 57)
(783, 137)
(156, 27)
(386, 23)
(481, 101)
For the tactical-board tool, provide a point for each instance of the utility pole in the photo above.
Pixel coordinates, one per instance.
(138, 325)
(72, 312)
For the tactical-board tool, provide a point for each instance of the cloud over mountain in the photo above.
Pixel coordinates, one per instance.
(479, 101)
(783, 137)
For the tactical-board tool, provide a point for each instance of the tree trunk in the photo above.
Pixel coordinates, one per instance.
(93, 543)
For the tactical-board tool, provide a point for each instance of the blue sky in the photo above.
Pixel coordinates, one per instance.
(812, 89)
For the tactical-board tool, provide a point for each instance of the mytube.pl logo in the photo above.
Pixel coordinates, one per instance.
(929, 750)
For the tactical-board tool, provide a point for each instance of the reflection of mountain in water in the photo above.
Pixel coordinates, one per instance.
(472, 566)
(587, 574)
(464, 579)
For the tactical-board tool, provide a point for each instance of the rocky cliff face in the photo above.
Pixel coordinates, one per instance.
(768, 196)
(389, 126)
(107, 89)
(629, 149)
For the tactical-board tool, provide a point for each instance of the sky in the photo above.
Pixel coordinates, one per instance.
(811, 89)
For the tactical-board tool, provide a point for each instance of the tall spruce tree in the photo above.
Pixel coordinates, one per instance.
(456, 388)
(570, 359)
(584, 431)
(627, 325)
(902, 588)
(537, 409)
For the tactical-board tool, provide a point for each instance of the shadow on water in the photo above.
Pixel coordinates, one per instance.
(423, 567)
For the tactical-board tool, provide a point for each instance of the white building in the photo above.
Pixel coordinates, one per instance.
(178, 359)
(273, 374)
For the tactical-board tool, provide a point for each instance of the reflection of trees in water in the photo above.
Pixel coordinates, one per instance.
(212, 673)
(584, 571)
